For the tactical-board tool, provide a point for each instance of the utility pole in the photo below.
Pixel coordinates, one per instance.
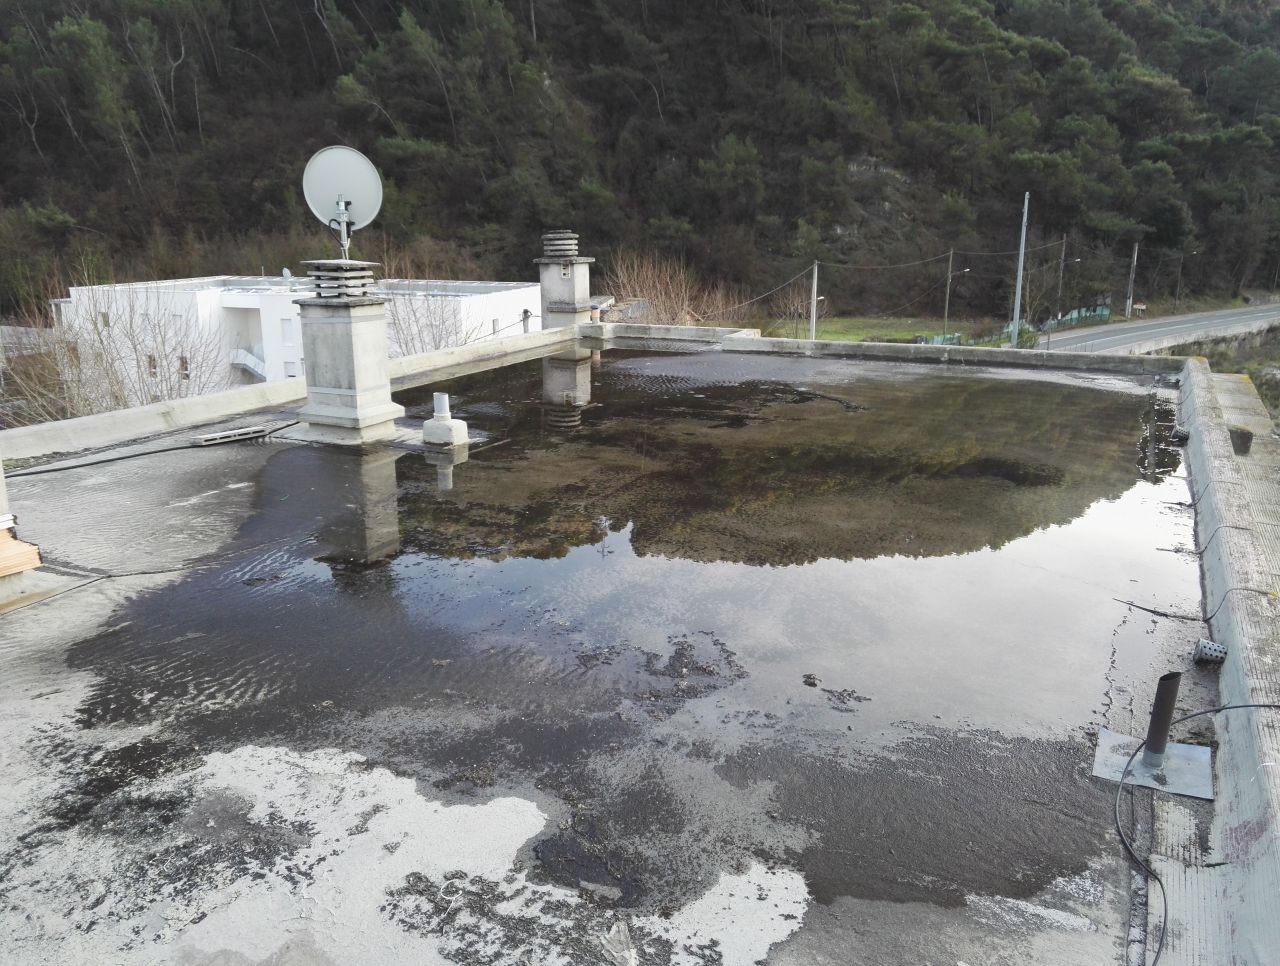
(813, 306)
(946, 308)
(946, 305)
(1062, 268)
(1133, 270)
(1016, 328)
(1177, 292)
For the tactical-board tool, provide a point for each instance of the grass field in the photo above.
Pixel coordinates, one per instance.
(850, 329)
(880, 330)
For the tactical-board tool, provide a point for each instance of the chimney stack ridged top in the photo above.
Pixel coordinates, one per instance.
(561, 248)
(341, 278)
(559, 244)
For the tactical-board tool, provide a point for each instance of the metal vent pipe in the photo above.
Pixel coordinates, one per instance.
(1162, 709)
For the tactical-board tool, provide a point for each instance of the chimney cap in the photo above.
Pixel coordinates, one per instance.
(560, 247)
(340, 278)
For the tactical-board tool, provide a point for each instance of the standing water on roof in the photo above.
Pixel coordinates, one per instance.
(761, 658)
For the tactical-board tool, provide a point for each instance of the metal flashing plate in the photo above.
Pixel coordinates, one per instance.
(1187, 769)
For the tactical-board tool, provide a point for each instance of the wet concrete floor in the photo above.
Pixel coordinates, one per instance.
(767, 655)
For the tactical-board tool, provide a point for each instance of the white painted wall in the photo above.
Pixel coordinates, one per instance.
(428, 315)
(254, 326)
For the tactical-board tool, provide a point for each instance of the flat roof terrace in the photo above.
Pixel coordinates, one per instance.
(773, 659)
(444, 288)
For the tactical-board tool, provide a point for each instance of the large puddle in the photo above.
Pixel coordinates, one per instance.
(848, 619)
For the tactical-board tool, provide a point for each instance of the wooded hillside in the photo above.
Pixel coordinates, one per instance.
(160, 137)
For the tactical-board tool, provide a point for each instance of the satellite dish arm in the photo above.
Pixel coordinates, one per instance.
(340, 225)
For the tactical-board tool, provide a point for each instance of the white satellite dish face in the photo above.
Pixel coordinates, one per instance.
(343, 190)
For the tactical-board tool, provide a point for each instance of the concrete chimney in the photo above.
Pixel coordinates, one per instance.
(566, 281)
(344, 342)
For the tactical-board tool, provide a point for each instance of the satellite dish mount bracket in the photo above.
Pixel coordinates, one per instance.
(340, 224)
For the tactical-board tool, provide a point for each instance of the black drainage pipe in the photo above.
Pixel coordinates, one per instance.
(1161, 719)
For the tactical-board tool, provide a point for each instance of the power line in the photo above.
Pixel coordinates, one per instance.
(1037, 248)
(927, 292)
(868, 268)
(935, 258)
(771, 291)
(912, 264)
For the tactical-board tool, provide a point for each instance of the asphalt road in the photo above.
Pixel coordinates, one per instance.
(1122, 336)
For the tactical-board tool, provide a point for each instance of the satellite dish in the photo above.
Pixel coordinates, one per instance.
(343, 190)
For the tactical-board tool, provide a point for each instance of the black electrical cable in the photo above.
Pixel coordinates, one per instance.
(1124, 839)
(40, 471)
(110, 459)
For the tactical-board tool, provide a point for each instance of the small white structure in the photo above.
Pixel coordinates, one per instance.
(236, 329)
(442, 429)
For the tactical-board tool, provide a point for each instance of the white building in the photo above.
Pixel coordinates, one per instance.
(223, 330)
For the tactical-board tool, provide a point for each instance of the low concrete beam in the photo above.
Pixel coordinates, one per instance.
(122, 425)
(750, 340)
(408, 372)
(686, 333)
(958, 355)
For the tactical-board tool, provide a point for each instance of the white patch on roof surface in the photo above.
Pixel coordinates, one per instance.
(279, 853)
(742, 915)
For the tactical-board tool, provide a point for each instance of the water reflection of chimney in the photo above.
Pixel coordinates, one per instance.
(366, 530)
(566, 388)
(444, 460)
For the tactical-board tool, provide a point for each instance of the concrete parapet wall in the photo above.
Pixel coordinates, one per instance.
(687, 333)
(958, 355)
(1237, 523)
(750, 340)
(408, 372)
(119, 426)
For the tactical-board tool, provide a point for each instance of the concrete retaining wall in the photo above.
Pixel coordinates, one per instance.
(1219, 332)
(1237, 526)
